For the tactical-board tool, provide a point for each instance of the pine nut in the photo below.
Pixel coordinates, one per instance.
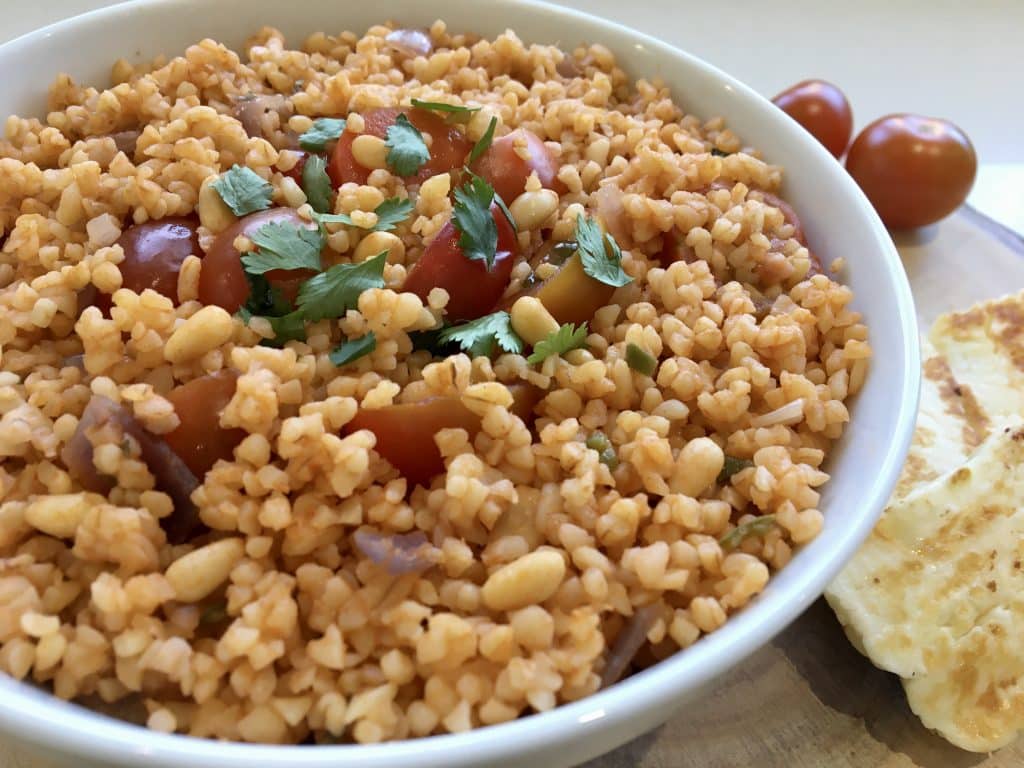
(213, 213)
(59, 515)
(375, 242)
(531, 319)
(528, 580)
(531, 209)
(370, 151)
(206, 330)
(697, 466)
(200, 572)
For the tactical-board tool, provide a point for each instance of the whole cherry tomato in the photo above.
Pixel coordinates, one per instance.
(199, 439)
(448, 145)
(154, 252)
(822, 109)
(473, 289)
(222, 279)
(915, 170)
(507, 171)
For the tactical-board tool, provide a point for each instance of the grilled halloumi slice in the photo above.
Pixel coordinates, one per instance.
(936, 594)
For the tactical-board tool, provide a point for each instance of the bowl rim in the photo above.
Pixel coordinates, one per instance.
(32, 714)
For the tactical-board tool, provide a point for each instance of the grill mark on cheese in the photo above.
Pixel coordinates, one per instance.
(959, 401)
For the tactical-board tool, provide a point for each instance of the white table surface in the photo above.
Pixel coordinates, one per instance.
(946, 58)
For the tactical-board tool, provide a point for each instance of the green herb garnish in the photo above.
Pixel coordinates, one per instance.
(317, 184)
(407, 152)
(243, 190)
(483, 143)
(565, 339)
(439, 106)
(353, 349)
(214, 613)
(640, 360)
(599, 442)
(716, 152)
(601, 256)
(334, 292)
(289, 327)
(390, 214)
(430, 341)
(731, 467)
(480, 336)
(283, 246)
(759, 526)
(478, 236)
(323, 130)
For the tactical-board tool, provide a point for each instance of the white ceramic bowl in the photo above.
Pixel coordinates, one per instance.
(838, 220)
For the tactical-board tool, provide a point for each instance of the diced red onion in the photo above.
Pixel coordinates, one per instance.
(126, 141)
(168, 470)
(628, 643)
(398, 553)
(410, 42)
(249, 111)
(790, 413)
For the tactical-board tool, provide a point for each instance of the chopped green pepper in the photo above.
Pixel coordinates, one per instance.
(759, 526)
(640, 360)
(731, 467)
(599, 442)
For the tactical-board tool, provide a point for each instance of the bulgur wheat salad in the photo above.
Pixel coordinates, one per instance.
(395, 385)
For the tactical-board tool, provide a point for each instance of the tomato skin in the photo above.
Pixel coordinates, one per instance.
(915, 170)
(295, 172)
(199, 439)
(222, 279)
(448, 149)
(507, 172)
(405, 431)
(473, 290)
(822, 109)
(153, 254)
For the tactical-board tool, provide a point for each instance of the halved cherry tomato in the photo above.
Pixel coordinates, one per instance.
(153, 254)
(222, 280)
(199, 439)
(915, 170)
(674, 248)
(448, 148)
(405, 432)
(295, 172)
(573, 296)
(506, 171)
(473, 290)
(822, 109)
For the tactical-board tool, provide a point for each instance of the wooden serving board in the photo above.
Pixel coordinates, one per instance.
(808, 699)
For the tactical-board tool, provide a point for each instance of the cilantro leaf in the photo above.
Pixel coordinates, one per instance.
(565, 339)
(243, 190)
(439, 106)
(332, 293)
(601, 256)
(716, 152)
(483, 143)
(324, 129)
(480, 336)
(290, 327)
(731, 467)
(504, 209)
(281, 245)
(390, 214)
(640, 360)
(354, 349)
(759, 526)
(407, 152)
(317, 184)
(478, 236)
(431, 342)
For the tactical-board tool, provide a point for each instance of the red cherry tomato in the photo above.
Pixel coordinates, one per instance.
(473, 290)
(199, 439)
(405, 432)
(915, 170)
(448, 148)
(153, 254)
(822, 109)
(222, 280)
(295, 172)
(507, 171)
